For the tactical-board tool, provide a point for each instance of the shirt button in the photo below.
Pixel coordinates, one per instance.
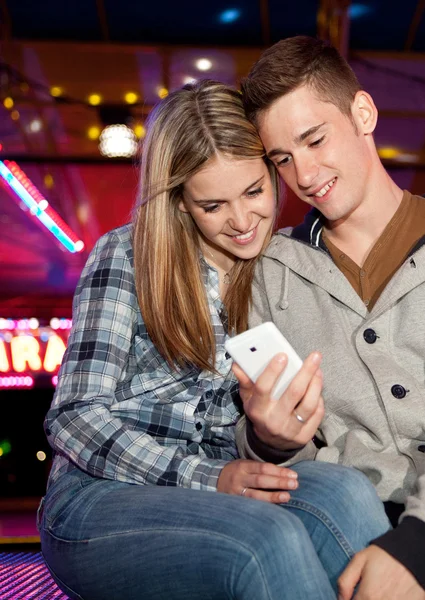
(370, 336)
(366, 302)
(421, 448)
(208, 394)
(362, 273)
(198, 426)
(398, 391)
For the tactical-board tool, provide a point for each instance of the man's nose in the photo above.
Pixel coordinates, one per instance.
(307, 170)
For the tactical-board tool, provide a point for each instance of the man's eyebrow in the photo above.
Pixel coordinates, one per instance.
(298, 140)
(207, 200)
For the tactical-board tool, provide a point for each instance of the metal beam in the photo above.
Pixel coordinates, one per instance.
(103, 21)
(333, 23)
(265, 22)
(417, 17)
(5, 22)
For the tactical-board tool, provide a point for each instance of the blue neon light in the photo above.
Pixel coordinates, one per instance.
(29, 201)
(230, 15)
(359, 10)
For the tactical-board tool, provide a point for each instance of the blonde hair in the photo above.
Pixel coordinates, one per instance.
(184, 131)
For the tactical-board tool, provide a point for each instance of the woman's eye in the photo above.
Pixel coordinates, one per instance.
(317, 142)
(255, 193)
(212, 208)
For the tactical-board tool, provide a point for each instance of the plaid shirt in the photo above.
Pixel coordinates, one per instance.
(119, 411)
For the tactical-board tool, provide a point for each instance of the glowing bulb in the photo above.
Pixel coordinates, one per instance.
(203, 64)
(35, 126)
(140, 131)
(94, 99)
(79, 245)
(388, 152)
(49, 181)
(188, 79)
(131, 97)
(14, 115)
(117, 140)
(162, 92)
(33, 323)
(56, 91)
(93, 132)
(41, 455)
(43, 204)
(8, 102)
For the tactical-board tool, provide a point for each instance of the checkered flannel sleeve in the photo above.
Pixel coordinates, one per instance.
(80, 424)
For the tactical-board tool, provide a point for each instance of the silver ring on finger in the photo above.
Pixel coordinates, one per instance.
(299, 417)
(243, 492)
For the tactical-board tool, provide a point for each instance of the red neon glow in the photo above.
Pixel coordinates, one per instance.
(26, 347)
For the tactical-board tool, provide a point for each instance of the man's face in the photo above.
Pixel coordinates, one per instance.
(317, 151)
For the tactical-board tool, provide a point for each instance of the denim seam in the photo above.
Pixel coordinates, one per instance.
(58, 579)
(265, 586)
(153, 529)
(300, 505)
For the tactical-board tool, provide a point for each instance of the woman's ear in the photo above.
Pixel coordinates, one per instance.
(365, 113)
(182, 204)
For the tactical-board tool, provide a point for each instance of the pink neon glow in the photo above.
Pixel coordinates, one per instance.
(55, 379)
(16, 381)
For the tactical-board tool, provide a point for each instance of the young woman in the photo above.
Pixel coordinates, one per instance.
(147, 497)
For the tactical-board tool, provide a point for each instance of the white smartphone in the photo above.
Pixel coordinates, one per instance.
(253, 350)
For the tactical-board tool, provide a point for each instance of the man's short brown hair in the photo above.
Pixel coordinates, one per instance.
(292, 63)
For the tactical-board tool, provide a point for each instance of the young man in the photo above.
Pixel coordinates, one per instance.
(350, 283)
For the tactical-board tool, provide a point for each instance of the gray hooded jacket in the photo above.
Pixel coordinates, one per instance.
(373, 362)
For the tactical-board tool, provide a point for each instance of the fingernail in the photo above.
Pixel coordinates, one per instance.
(316, 358)
(281, 358)
(292, 484)
(284, 497)
(319, 373)
(293, 475)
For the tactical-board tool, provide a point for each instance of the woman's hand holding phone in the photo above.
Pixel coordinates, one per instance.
(292, 420)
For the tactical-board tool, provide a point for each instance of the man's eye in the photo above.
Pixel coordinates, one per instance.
(317, 142)
(284, 161)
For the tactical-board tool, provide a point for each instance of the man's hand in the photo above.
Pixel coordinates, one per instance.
(275, 421)
(381, 577)
(262, 481)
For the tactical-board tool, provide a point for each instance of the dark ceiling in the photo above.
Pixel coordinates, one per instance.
(389, 25)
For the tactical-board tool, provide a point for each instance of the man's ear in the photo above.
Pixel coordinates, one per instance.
(364, 112)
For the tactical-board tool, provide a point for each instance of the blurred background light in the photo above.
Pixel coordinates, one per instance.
(117, 141)
(203, 64)
(356, 11)
(230, 15)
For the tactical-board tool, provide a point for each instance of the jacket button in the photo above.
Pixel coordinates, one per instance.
(370, 336)
(421, 448)
(398, 391)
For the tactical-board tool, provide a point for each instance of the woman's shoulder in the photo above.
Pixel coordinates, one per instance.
(115, 244)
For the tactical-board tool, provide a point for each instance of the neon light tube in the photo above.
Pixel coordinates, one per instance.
(32, 198)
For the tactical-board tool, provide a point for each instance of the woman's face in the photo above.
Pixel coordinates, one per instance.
(232, 203)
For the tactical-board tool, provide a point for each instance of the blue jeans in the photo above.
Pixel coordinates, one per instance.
(109, 540)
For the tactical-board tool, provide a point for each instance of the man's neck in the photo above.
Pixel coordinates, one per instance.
(358, 233)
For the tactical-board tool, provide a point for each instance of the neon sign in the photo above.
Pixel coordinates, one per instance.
(31, 352)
